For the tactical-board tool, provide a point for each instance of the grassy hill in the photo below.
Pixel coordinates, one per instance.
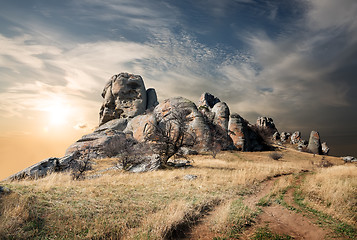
(164, 204)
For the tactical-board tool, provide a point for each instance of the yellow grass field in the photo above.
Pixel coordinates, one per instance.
(156, 205)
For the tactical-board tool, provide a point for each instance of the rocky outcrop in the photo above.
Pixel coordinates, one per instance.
(314, 145)
(349, 159)
(324, 148)
(244, 138)
(141, 126)
(125, 96)
(284, 136)
(99, 144)
(151, 98)
(295, 137)
(266, 124)
(45, 167)
(115, 124)
(196, 123)
(131, 113)
(221, 115)
(236, 127)
(276, 136)
(207, 100)
(151, 163)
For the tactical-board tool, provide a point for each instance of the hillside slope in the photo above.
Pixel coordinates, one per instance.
(172, 203)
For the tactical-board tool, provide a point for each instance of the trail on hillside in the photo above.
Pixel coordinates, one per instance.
(275, 217)
(202, 229)
(283, 221)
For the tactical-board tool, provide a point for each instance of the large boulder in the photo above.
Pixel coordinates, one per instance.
(149, 163)
(244, 137)
(45, 167)
(141, 126)
(325, 149)
(115, 124)
(236, 131)
(207, 100)
(276, 136)
(314, 145)
(284, 136)
(196, 123)
(295, 137)
(221, 115)
(151, 98)
(124, 97)
(99, 144)
(266, 125)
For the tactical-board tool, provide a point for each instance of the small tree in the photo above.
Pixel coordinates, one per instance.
(81, 165)
(131, 152)
(171, 134)
(218, 136)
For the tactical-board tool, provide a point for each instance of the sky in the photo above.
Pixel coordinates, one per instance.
(292, 60)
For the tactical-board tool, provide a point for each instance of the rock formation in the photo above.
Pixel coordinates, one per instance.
(243, 136)
(324, 148)
(284, 136)
(267, 124)
(295, 137)
(236, 127)
(196, 123)
(276, 136)
(44, 167)
(221, 115)
(131, 113)
(125, 96)
(207, 100)
(314, 143)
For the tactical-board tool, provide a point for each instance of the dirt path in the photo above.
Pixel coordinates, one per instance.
(282, 221)
(275, 217)
(203, 228)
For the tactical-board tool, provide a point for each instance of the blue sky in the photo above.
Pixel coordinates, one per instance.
(295, 61)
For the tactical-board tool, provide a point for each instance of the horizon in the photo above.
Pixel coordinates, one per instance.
(294, 61)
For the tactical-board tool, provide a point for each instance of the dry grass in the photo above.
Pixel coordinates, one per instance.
(333, 191)
(136, 206)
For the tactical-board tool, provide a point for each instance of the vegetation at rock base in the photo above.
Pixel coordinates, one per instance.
(159, 204)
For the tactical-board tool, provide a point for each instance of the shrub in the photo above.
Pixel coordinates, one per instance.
(275, 156)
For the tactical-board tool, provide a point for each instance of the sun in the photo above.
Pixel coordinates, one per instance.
(58, 114)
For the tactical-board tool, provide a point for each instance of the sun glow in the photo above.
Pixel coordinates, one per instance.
(58, 113)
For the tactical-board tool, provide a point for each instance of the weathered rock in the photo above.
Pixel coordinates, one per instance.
(179, 163)
(276, 136)
(295, 137)
(284, 136)
(141, 126)
(221, 115)
(124, 97)
(196, 123)
(45, 167)
(149, 163)
(314, 145)
(99, 144)
(325, 149)
(236, 131)
(151, 98)
(207, 100)
(4, 190)
(242, 136)
(267, 124)
(190, 177)
(115, 124)
(187, 151)
(349, 159)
